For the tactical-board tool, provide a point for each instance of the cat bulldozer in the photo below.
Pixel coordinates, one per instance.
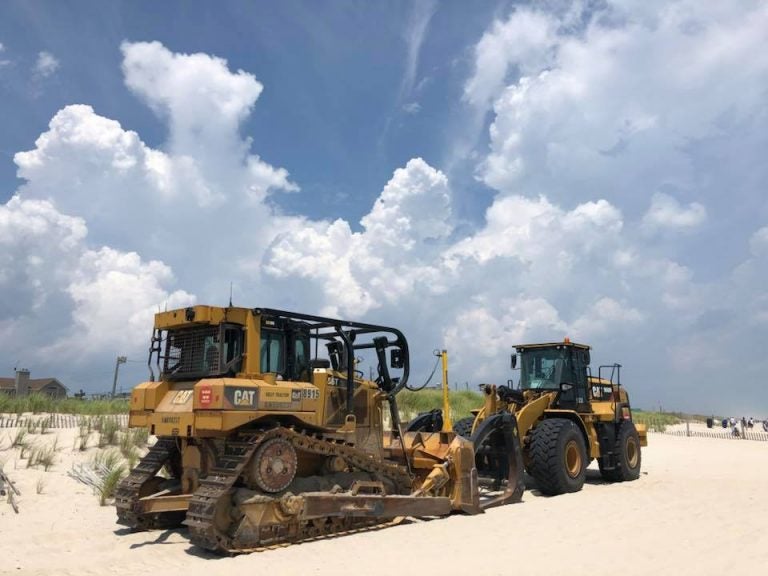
(566, 417)
(263, 442)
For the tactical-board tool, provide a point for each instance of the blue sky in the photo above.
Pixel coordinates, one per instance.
(478, 175)
(336, 76)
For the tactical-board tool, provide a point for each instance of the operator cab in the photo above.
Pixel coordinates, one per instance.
(556, 367)
(284, 349)
(199, 351)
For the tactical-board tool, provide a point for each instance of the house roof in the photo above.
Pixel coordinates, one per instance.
(34, 383)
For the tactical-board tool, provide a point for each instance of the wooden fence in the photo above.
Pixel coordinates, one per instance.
(723, 434)
(57, 421)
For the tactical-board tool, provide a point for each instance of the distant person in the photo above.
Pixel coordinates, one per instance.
(734, 430)
(765, 425)
(733, 421)
(751, 422)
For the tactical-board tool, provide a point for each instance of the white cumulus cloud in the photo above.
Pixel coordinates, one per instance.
(593, 117)
(666, 212)
(361, 271)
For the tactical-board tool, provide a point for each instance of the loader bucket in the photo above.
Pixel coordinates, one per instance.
(499, 459)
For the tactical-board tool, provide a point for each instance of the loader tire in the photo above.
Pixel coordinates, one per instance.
(628, 457)
(558, 457)
(463, 427)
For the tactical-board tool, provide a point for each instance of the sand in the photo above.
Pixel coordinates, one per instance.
(699, 507)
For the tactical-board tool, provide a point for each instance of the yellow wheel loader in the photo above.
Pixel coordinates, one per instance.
(566, 417)
(267, 434)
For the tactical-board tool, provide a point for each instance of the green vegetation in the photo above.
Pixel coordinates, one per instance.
(37, 403)
(44, 456)
(20, 438)
(84, 433)
(108, 459)
(139, 436)
(130, 442)
(462, 402)
(657, 421)
(110, 468)
(108, 429)
(109, 484)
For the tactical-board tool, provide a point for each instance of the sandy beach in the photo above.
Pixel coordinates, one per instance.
(699, 507)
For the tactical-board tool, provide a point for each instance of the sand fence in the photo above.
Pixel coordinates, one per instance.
(695, 429)
(57, 421)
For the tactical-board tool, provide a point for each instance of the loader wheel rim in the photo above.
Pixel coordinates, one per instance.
(573, 462)
(633, 454)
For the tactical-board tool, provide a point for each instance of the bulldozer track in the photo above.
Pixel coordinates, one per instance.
(128, 491)
(214, 488)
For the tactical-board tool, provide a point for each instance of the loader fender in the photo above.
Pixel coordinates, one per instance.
(593, 450)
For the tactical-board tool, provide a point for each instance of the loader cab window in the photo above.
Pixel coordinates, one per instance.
(544, 369)
(272, 351)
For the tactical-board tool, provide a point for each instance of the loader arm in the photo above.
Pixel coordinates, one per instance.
(532, 412)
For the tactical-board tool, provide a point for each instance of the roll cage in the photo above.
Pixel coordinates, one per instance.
(342, 338)
(192, 351)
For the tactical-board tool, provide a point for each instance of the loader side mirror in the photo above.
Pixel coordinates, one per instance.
(513, 361)
(396, 358)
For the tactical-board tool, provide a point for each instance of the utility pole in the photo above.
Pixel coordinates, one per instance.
(120, 360)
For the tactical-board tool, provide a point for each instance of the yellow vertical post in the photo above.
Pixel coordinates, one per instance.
(447, 422)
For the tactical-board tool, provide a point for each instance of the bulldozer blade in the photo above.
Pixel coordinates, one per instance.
(497, 445)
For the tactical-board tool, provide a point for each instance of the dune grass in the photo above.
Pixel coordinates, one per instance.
(462, 402)
(38, 403)
(656, 421)
(109, 431)
(110, 469)
(20, 438)
(44, 456)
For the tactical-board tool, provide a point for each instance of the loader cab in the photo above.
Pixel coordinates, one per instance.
(556, 367)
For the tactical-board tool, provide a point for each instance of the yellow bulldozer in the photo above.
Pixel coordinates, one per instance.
(566, 417)
(267, 433)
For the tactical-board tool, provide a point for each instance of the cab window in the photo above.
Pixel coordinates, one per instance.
(272, 352)
(233, 348)
(301, 359)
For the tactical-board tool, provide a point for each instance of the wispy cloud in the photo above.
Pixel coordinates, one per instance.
(418, 24)
(3, 62)
(411, 108)
(414, 34)
(46, 65)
